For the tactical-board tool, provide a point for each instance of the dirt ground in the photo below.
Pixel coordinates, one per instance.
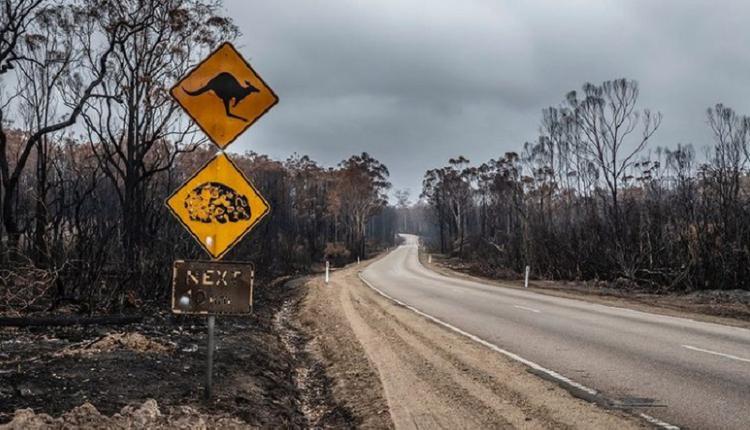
(151, 374)
(357, 382)
(395, 368)
(721, 307)
(312, 356)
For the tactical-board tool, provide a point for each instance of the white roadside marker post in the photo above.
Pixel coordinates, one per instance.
(429, 258)
(328, 265)
(526, 280)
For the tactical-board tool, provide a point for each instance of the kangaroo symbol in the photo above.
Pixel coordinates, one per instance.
(226, 87)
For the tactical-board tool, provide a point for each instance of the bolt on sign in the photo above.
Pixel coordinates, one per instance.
(218, 205)
(212, 287)
(224, 95)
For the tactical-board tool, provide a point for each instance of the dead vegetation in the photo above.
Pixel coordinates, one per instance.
(56, 370)
(588, 200)
(23, 285)
(114, 341)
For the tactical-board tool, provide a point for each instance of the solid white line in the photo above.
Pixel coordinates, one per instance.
(508, 354)
(489, 283)
(526, 309)
(658, 422)
(708, 351)
(485, 343)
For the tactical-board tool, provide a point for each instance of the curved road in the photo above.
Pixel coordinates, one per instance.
(687, 373)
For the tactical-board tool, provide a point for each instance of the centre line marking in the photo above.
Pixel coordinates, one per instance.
(526, 309)
(708, 351)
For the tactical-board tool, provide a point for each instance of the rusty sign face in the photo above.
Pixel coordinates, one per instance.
(212, 287)
(218, 205)
(224, 95)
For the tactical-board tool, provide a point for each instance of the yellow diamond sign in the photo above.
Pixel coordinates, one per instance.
(224, 95)
(218, 205)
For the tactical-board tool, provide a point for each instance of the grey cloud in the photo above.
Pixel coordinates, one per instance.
(416, 82)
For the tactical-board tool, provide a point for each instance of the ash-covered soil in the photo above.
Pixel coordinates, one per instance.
(263, 376)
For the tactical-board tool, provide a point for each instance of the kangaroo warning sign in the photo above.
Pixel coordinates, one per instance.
(224, 95)
(218, 205)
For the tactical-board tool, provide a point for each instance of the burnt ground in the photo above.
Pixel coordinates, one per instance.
(263, 374)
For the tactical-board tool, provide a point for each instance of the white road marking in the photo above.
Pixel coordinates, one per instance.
(488, 283)
(526, 309)
(708, 351)
(516, 357)
(657, 422)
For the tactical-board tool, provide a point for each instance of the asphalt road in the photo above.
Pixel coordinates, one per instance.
(687, 373)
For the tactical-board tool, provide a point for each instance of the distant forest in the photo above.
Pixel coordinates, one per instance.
(91, 145)
(590, 200)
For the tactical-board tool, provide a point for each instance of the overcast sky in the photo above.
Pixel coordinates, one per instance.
(417, 82)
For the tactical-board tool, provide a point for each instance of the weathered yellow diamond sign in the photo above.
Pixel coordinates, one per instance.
(224, 95)
(218, 205)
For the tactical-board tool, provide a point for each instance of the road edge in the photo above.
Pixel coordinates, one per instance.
(574, 388)
(604, 300)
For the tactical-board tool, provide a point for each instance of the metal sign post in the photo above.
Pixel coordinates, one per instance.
(218, 205)
(212, 288)
(210, 356)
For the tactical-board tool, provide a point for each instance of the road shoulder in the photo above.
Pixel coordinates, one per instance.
(673, 306)
(393, 367)
(356, 383)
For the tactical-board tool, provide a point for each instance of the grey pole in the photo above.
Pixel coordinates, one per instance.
(210, 357)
